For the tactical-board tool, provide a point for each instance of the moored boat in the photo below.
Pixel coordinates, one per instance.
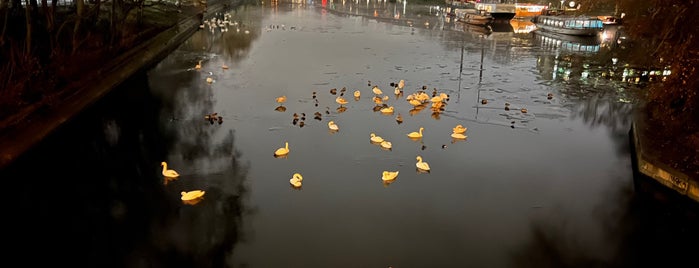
(570, 25)
(473, 16)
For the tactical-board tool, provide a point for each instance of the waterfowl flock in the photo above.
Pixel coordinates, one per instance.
(418, 100)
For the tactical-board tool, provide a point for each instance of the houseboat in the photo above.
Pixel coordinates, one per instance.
(570, 25)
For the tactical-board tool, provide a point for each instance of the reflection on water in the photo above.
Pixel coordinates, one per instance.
(543, 178)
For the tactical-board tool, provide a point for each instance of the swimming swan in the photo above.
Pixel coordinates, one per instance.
(296, 180)
(416, 134)
(333, 126)
(389, 175)
(422, 165)
(458, 136)
(191, 195)
(169, 172)
(282, 151)
(375, 138)
(459, 129)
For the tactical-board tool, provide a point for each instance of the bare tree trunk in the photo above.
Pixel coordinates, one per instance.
(112, 24)
(80, 6)
(47, 15)
(28, 41)
(4, 6)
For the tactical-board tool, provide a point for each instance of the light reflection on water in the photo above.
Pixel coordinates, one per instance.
(555, 176)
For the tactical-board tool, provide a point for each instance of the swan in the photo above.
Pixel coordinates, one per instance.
(282, 151)
(280, 99)
(422, 165)
(387, 110)
(389, 175)
(333, 126)
(376, 90)
(296, 180)
(169, 172)
(198, 66)
(386, 144)
(415, 102)
(191, 195)
(459, 129)
(209, 80)
(397, 91)
(458, 136)
(357, 94)
(401, 84)
(444, 96)
(375, 138)
(416, 134)
(341, 101)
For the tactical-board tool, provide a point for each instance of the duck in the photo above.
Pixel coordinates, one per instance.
(375, 138)
(387, 110)
(357, 94)
(458, 136)
(332, 126)
(386, 144)
(377, 100)
(523, 110)
(198, 66)
(283, 150)
(459, 129)
(209, 80)
(281, 99)
(341, 101)
(296, 180)
(376, 90)
(224, 66)
(333, 91)
(401, 84)
(389, 175)
(422, 165)
(416, 134)
(191, 195)
(399, 118)
(170, 173)
(397, 91)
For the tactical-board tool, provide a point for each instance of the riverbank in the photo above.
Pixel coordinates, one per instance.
(30, 124)
(659, 157)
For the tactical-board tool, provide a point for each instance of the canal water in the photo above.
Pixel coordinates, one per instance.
(543, 179)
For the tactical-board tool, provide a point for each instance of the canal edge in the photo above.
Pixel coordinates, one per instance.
(34, 123)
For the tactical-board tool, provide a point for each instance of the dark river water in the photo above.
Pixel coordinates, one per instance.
(549, 187)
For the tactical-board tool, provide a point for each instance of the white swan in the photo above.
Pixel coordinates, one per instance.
(422, 165)
(283, 150)
(332, 126)
(168, 172)
(389, 175)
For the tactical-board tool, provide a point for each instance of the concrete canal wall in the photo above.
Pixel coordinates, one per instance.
(654, 160)
(39, 121)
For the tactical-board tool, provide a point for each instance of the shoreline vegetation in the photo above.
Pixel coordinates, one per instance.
(50, 45)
